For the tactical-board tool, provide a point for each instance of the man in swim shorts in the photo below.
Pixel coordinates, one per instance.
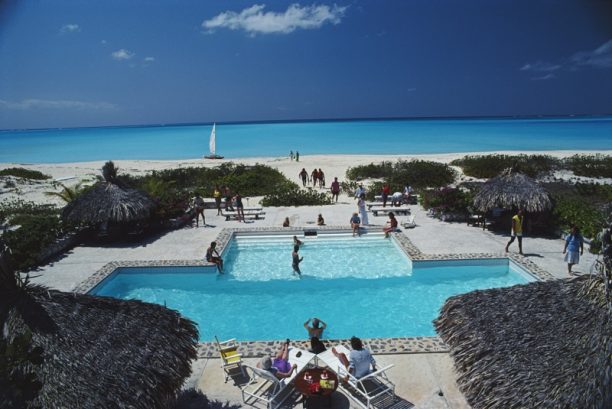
(212, 256)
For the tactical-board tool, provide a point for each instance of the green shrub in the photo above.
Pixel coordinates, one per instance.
(595, 166)
(488, 166)
(289, 194)
(570, 210)
(40, 226)
(24, 173)
(446, 200)
(419, 174)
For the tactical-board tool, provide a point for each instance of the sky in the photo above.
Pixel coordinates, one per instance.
(69, 63)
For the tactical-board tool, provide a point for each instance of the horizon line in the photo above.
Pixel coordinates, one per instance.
(353, 119)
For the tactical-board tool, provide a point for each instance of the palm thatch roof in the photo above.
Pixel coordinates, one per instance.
(109, 202)
(512, 189)
(98, 352)
(540, 345)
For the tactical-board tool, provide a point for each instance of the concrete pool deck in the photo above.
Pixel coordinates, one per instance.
(418, 377)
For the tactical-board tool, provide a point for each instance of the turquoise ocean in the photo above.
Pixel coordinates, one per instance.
(239, 140)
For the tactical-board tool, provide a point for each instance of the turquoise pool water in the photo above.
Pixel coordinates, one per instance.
(359, 286)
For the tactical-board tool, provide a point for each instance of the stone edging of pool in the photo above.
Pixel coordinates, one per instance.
(401, 345)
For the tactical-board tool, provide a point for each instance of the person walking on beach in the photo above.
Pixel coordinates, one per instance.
(217, 196)
(297, 156)
(517, 231)
(321, 178)
(295, 256)
(335, 189)
(304, 176)
(198, 204)
(315, 177)
(291, 155)
(212, 256)
(573, 243)
(361, 205)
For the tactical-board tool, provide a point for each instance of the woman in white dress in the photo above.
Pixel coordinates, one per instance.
(363, 213)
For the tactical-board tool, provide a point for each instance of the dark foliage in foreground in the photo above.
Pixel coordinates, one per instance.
(192, 399)
(24, 173)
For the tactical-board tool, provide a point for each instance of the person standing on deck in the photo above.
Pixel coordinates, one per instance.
(361, 205)
(217, 196)
(517, 231)
(239, 207)
(198, 204)
(360, 190)
(385, 193)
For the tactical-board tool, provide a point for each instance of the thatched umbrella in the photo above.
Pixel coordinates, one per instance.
(540, 345)
(108, 202)
(63, 350)
(100, 352)
(512, 189)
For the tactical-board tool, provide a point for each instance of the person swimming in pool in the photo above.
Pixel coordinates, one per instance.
(296, 260)
(317, 327)
(297, 242)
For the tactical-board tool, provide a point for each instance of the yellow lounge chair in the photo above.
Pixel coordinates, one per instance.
(230, 358)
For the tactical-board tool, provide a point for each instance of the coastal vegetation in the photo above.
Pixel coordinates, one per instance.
(488, 166)
(448, 202)
(419, 174)
(24, 173)
(290, 194)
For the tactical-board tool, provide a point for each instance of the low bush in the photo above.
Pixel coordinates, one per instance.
(419, 174)
(595, 166)
(290, 194)
(488, 166)
(570, 210)
(446, 200)
(39, 227)
(24, 173)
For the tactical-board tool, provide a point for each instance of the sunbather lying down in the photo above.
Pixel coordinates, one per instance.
(359, 360)
(280, 366)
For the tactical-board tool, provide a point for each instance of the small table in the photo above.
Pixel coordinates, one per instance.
(316, 382)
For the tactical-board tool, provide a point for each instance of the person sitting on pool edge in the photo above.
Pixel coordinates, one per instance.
(359, 359)
(296, 260)
(320, 220)
(316, 346)
(286, 222)
(280, 367)
(317, 327)
(391, 224)
(355, 222)
(212, 256)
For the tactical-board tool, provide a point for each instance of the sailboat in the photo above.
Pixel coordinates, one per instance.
(212, 143)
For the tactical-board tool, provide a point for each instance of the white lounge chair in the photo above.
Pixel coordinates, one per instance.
(366, 390)
(409, 222)
(266, 387)
(396, 210)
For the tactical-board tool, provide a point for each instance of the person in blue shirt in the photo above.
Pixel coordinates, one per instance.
(573, 244)
(355, 223)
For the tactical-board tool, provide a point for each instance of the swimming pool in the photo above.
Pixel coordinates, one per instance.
(363, 286)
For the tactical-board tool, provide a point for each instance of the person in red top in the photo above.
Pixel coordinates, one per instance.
(335, 189)
(386, 190)
(315, 177)
(391, 224)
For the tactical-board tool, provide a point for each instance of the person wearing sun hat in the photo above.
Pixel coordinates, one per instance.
(280, 366)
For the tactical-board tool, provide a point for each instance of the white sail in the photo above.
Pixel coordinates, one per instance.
(211, 144)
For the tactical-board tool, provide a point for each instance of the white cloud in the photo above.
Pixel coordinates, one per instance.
(254, 20)
(70, 28)
(601, 57)
(548, 76)
(122, 54)
(541, 66)
(33, 103)
(103, 42)
(149, 59)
